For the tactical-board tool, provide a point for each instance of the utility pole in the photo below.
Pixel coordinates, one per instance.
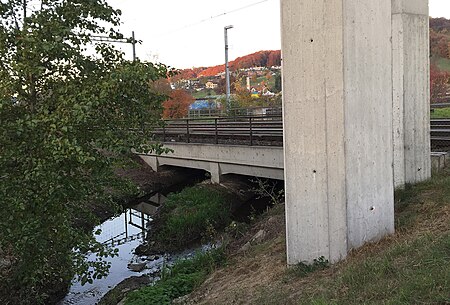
(134, 46)
(227, 68)
(131, 40)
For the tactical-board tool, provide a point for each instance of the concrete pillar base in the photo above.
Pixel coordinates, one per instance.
(337, 90)
(411, 91)
(216, 174)
(152, 161)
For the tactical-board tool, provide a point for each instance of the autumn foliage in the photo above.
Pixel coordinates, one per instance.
(258, 59)
(440, 37)
(177, 106)
(439, 81)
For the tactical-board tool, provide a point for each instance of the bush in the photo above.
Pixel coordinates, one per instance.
(191, 214)
(180, 280)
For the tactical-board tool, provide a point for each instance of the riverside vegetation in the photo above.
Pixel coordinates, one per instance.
(66, 118)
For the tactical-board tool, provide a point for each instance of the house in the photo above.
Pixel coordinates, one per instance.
(211, 85)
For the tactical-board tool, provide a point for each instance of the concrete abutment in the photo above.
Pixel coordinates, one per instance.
(343, 60)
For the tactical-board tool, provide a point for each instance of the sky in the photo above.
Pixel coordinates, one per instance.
(190, 33)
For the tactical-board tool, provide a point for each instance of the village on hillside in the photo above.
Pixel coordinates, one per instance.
(256, 82)
(255, 85)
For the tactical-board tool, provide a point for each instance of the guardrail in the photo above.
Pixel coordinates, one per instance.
(266, 130)
(234, 112)
(243, 130)
(439, 105)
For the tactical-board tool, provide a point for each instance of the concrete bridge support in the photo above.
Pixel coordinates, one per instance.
(411, 91)
(338, 125)
(218, 160)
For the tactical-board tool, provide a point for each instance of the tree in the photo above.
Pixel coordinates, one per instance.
(66, 118)
(243, 97)
(177, 106)
(278, 86)
(222, 84)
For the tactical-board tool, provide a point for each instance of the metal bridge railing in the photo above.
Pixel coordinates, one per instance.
(264, 130)
(248, 130)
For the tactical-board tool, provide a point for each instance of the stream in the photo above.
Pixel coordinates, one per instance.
(125, 233)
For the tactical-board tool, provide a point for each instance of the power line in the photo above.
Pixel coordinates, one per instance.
(217, 16)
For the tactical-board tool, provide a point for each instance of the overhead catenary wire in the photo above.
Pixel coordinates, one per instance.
(217, 16)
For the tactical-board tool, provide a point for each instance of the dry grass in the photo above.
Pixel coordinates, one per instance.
(410, 267)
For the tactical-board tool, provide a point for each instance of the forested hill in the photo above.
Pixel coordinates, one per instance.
(439, 48)
(258, 59)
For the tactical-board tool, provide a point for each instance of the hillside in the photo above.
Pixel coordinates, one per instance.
(440, 43)
(409, 267)
(258, 59)
(439, 48)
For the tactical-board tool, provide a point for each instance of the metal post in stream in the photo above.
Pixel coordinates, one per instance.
(126, 225)
(143, 225)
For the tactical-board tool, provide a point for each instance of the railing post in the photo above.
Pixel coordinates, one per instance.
(187, 129)
(164, 132)
(216, 131)
(251, 131)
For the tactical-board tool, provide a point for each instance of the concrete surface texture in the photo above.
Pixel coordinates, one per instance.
(218, 160)
(338, 125)
(411, 91)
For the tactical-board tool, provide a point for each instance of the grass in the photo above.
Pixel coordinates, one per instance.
(410, 267)
(204, 93)
(442, 63)
(416, 271)
(179, 280)
(191, 214)
(440, 113)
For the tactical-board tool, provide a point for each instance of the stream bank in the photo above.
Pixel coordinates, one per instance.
(125, 229)
(238, 197)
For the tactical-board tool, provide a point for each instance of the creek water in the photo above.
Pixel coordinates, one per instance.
(125, 233)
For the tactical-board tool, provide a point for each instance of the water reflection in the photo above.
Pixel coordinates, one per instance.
(125, 233)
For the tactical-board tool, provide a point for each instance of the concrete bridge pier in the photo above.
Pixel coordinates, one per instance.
(338, 125)
(411, 91)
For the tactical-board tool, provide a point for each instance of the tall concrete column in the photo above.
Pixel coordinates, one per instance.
(337, 88)
(411, 91)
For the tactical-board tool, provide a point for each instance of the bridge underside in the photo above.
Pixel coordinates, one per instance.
(218, 160)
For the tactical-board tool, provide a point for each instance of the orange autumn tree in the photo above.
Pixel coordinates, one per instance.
(177, 106)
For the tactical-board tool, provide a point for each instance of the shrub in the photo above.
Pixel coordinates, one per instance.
(191, 214)
(179, 280)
